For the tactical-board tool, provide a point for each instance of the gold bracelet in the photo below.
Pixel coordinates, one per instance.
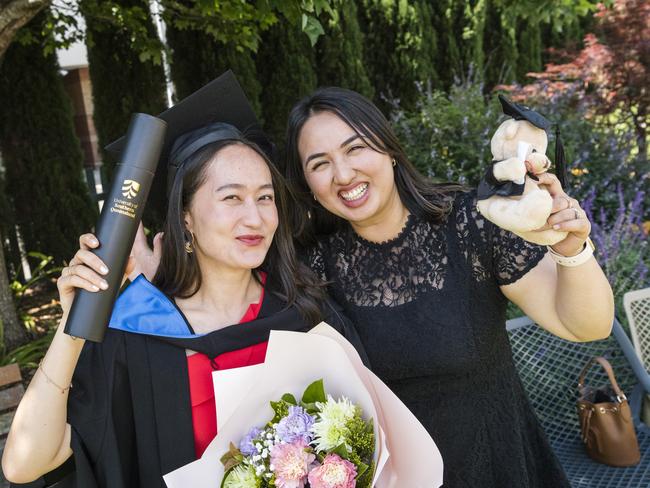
(52, 382)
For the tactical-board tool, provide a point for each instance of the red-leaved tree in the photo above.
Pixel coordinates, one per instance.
(610, 74)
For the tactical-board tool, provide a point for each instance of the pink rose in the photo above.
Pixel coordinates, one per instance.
(335, 472)
(291, 463)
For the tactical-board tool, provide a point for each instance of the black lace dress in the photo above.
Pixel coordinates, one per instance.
(431, 316)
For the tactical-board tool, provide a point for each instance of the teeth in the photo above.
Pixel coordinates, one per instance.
(356, 193)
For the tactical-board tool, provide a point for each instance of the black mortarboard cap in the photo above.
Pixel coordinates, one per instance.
(522, 112)
(221, 100)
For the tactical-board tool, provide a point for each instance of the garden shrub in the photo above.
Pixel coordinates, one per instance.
(447, 136)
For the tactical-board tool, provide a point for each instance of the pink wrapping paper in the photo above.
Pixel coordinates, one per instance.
(405, 453)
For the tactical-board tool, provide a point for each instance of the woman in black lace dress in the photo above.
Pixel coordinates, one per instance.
(426, 280)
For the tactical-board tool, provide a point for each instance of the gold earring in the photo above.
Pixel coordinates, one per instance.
(189, 245)
(394, 163)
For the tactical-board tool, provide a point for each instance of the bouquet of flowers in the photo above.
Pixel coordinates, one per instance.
(355, 434)
(320, 440)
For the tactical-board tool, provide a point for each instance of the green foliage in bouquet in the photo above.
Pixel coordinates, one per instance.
(361, 438)
(281, 408)
(335, 427)
(232, 458)
(313, 394)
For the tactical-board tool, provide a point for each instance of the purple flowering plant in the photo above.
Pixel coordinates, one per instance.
(621, 241)
(317, 442)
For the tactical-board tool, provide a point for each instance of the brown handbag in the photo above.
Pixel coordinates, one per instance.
(606, 420)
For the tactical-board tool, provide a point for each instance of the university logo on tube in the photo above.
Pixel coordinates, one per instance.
(130, 189)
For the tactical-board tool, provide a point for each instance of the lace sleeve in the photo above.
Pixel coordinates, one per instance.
(513, 257)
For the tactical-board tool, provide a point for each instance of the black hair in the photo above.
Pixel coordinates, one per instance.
(420, 195)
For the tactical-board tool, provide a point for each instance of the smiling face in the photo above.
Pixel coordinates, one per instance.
(233, 215)
(345, 173)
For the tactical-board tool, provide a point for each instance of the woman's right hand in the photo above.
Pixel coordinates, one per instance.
(86, 271)
(146, 259)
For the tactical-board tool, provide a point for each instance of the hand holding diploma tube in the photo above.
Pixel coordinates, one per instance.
(118, 224)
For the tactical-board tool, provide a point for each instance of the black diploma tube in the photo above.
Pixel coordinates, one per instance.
(118, 224)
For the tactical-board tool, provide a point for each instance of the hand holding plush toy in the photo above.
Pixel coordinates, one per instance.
(509, 195)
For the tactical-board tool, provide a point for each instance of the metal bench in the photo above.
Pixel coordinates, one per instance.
(549, 369)
(637, 311)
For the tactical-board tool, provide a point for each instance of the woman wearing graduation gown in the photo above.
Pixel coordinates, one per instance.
(122, 413)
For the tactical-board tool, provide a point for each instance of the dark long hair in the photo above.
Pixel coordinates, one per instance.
(420, 195)
(179, 275)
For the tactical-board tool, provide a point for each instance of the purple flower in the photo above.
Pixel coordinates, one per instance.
(246, 444)
(295, 426)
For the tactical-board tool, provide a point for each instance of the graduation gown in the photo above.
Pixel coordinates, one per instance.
(129, 407)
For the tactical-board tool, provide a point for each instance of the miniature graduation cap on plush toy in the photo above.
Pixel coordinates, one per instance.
(522, 112)
(508, 194)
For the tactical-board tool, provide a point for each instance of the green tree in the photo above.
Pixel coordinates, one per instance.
(417, 47)
(13, 15)
(226, 21)
(47, 193)
(197, 59)
(340, 56)
(499, 45)
(401, 48)
(286, 70)
(529, 45)
(7, 222)
(122, 83)
(562, 23)
(469, 29)
(445, 15)
(12, 333)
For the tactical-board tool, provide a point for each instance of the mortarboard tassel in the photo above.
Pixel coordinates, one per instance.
(560, 161)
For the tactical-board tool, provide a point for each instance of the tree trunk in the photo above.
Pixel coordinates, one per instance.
(13, 332)
(13, 15)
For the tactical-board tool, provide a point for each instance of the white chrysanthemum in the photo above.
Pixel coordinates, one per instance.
(331, 427)
(341, 410)
(242, 476)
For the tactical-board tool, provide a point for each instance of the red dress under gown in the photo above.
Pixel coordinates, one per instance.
(200, 369)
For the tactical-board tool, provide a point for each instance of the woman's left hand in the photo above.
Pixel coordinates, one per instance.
(566, 215)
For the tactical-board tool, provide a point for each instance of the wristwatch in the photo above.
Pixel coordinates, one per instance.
(571, 261)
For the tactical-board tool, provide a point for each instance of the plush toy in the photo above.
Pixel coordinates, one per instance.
(508, 194)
